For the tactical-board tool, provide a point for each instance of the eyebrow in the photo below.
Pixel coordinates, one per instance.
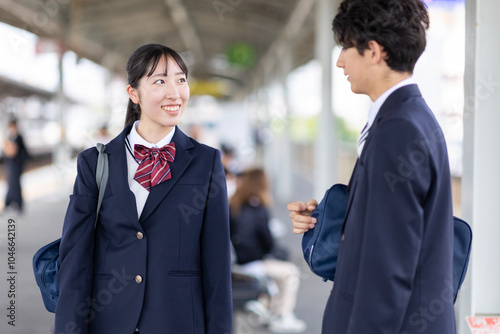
(166, 74)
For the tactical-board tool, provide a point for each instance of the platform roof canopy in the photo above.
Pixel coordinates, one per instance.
(232, 43)
(13, 88)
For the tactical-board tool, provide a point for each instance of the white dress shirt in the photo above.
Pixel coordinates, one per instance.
(375, 107)
(141, 194)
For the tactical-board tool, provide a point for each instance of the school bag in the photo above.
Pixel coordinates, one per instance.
(320, 245)
(46, 259)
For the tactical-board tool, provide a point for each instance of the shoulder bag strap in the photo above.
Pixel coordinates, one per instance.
(101, 176)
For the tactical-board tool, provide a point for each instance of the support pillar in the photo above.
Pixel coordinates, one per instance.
(286, 147)
(61, 152)
(325, 148)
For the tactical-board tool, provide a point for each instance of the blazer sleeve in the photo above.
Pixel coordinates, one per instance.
(76, 250)
(215, 257)
(393, 229)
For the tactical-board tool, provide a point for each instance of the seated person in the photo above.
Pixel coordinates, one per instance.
(253, 244)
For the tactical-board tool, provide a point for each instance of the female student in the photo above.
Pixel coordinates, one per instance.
(15, 154)
(159, 259)
(253, 245)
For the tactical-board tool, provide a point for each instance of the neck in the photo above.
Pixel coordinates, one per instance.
(151, 134)
(392, 78)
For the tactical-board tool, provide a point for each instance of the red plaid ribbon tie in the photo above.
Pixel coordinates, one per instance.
(153, 164)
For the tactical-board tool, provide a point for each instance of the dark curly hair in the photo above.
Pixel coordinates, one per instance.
(397, 25)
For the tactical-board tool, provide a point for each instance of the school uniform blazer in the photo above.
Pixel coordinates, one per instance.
(394, 270)
(166, 272)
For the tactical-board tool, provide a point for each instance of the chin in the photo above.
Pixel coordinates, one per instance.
(356, 91)
(170, 125)
(172, 121)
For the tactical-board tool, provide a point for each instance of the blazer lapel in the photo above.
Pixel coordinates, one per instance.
(394, 100)
(119, 175)
(177, 167)
(351, 190)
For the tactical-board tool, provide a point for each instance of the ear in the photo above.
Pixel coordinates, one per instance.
(133, 94)
(376, 52)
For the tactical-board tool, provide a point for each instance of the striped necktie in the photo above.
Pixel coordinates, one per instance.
(153, 164)
(362, 139)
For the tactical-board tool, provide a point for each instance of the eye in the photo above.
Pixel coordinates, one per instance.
(182, 80)
(159, 81)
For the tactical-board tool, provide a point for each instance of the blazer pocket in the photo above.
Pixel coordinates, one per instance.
(191, 180)
(184, 273)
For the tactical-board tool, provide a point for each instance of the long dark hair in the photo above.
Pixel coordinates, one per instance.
(143, 62)
(252, 184)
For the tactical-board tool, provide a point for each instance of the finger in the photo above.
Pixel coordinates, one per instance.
(311, 204)
(303, 225)
(299, 231)
(302, 218)
(296, 206)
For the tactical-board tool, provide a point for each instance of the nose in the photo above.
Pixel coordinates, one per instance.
(340, 60)
(171, 91)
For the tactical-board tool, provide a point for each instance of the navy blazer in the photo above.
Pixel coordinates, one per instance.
(166, 272)
(394, 271)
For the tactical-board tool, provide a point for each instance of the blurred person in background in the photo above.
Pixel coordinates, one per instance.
(254, 245)
(15, 154)
(231, 168)
(158, 261)
(102, 135)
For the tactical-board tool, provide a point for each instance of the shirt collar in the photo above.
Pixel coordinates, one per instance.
(135, 138)
(375, 107)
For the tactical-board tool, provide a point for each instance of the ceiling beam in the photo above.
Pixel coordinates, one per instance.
(49, 24)
(180, 17)
(119, 8)
(36, 21)
(258, 25)
(10, 87)
(275, 52)
(100, 14)
(96, 52)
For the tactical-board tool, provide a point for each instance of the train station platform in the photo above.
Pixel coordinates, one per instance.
(47, 192)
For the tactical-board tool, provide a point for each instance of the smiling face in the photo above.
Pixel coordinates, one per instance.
(163, 97)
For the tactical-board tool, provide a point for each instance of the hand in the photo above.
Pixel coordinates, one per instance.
(10, 149)
(300, 213)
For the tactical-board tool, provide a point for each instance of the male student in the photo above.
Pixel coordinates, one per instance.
(394, 271)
